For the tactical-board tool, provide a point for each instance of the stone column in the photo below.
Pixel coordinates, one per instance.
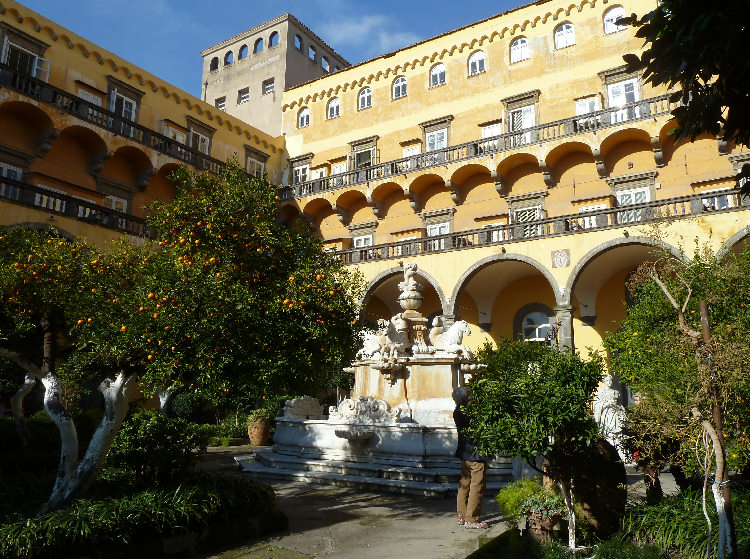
(564, 317)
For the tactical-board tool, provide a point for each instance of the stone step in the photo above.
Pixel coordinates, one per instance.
(288, 470)
(366, 469)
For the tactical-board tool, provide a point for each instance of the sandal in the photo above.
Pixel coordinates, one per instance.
(476, 525)
(461, 520)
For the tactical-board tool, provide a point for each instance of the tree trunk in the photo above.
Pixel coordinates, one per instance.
(165, 399)
(566, 488)
(16, 404)
(654, 492)
(117, 394)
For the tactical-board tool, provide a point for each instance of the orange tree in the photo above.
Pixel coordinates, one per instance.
(225, 301)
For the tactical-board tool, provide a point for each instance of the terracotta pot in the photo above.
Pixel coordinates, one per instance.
(259, 432)
(543, 525)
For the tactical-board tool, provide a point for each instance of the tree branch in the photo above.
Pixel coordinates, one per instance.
(683, 325)
(24, 362)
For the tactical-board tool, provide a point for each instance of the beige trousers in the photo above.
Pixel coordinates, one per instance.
(471, 488)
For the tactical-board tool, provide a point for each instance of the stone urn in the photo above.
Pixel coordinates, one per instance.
(540, 530)
(259, 432)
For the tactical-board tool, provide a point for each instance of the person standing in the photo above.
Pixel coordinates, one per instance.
(473, 480)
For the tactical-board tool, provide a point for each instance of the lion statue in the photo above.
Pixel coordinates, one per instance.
(450, 340)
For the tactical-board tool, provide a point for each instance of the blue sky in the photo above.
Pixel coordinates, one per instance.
(165, 37)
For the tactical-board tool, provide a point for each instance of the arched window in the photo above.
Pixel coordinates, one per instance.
(273, 40)
(437, 75)
(336, 68)
(258, 46)
(214, 64)
(243, 52)
(298, 42)
(228, 58)
(565, 35)
(533, 322)
(311, 53)
(519, 50)
(610, 18)
(365, 98)
(324, 64)
(476, 63)
(334, 108)
(303, 118)
(399, 87)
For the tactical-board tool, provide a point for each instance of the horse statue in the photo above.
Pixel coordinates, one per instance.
(384, 344)
(450, 340)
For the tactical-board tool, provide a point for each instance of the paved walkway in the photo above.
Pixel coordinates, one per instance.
(343, 523)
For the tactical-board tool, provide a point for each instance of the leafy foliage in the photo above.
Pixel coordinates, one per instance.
(694, 48)
(89, 526)
(157, 449)
(677, 523)
(510, 498)
(528, 395)
(652, 356)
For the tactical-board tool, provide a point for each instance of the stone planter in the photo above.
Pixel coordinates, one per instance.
(259, 432)
(541, 530)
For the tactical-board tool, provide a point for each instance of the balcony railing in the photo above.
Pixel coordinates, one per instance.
(71, 104)
(636, 214)
(591, 122)
(56, 203)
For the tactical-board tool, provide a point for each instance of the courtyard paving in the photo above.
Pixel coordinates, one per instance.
(338, 523)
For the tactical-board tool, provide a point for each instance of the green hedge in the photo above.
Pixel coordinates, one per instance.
(97, 527)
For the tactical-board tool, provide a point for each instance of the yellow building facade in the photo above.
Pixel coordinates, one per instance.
(88, 140)
(517, 162)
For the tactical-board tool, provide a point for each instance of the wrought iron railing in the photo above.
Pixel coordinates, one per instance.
(636, 214)
(572, 126)
(71, 104)
(56, 203)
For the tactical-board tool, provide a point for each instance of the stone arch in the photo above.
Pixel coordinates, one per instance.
(129, 165)
(733, 243)
(22, 126)
(74, 157)
(394, 274)
(45, 227)
(633, 143)
(160, 187)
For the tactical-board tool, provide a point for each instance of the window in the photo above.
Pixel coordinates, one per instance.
(620, 94)
(492, 130)
(273, 40)
(408, 246)
(243, 95)
(535, 327)
(399, 87)
(565, 35)
(123, 101)
(610, 18)
(436, 139)
(10, 172)
(199, 135)
(519, 50)
(336, 68)
(174, 133)
(520, 119)
(524, 217)
(301, 174)
(629, 198)
(214, 64)
(243, 52)
(221, 103)
(255, 168)
(316, 174)
(228, 58)
(311, 53)
(303, 119)
(494, 235)
(476, 63)
(362, 241)
(92, 98)
(334, 108)
(591, 221)
(324, 64)
(268, 86)
(437, 230)
(437, 75)
(364, 158)
(365, 98)
(409, 151)
(199, 142)
(25, 61)
(258, 46)
(716, 200)
(339, 169)
(298, 42)
(586, 106)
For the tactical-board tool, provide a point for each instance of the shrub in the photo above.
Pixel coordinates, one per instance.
(677, 523)
(261, 414)
(232, 427)
(91, 527)
(511, 497)
(619, 548)
(156, 448)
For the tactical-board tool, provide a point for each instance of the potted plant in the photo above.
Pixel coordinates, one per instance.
(510, 498)
(543, 511)
(259, 426)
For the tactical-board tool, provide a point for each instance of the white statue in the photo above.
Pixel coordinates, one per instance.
(450, 340)
(385, 344)
(610, 415)
(364, 409)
